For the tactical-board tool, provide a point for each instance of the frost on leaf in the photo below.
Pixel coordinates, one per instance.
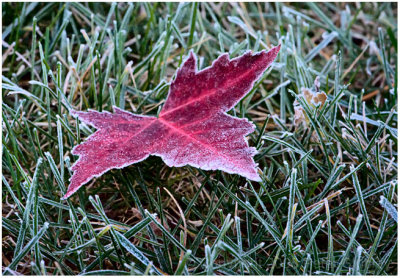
(192, 128)
(314, 98)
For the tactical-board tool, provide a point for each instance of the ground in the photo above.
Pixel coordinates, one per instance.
(328, 197)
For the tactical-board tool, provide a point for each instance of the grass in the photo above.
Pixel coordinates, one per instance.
(328, 200)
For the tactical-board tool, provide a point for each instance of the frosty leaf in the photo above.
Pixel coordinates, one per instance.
(315, 100)
(192, 128)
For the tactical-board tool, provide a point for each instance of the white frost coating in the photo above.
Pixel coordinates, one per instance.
(392, 210)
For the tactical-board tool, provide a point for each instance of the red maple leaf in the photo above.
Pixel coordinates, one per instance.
(192, 128)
